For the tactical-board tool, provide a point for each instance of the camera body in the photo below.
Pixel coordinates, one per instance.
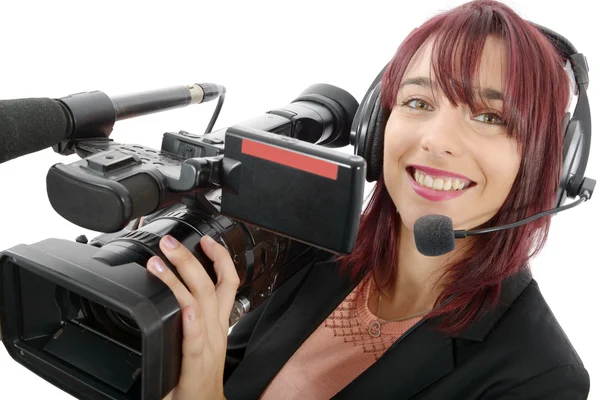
(89, 318)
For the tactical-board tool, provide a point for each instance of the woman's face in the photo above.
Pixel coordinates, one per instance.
(441, 159)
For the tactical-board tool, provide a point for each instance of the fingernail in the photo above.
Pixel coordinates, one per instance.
(210, 240)
(170, 242)
(157, 265)
(191, 315)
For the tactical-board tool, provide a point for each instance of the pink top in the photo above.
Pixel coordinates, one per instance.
(337, 352)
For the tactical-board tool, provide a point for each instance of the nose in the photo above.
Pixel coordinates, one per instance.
(443, 134)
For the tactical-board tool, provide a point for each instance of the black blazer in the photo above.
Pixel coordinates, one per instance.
(516, 351)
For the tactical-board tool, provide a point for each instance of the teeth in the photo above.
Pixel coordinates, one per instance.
(438, 183)
(428, 181)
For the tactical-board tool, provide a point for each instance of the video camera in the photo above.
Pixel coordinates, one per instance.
(86, 315)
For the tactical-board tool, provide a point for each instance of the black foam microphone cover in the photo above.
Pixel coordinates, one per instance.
(434, 235)
(30, 125)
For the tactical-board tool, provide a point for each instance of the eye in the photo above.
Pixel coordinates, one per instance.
(489, 118)
(418, 104)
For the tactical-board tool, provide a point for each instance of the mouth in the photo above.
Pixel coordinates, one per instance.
(437, 185)
(439, 180)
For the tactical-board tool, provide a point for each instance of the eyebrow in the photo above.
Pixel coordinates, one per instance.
(492, 94)
(418, 80)
(487, 93)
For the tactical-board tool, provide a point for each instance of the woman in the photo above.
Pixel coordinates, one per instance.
(475, 98)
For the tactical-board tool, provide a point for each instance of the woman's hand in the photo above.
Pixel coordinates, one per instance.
(205, 312)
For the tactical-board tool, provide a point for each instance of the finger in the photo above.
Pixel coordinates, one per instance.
(188, 266)
(228, 280)
(202, 363)
(160, 270)
(193, 274)
(193, 346)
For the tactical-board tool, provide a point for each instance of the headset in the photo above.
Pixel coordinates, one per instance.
(367, 131)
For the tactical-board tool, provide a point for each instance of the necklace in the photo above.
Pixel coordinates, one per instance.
(375, 326)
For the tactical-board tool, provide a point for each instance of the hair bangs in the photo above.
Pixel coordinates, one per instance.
(456, 54)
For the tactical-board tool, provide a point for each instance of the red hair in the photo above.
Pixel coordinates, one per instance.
(536, 97)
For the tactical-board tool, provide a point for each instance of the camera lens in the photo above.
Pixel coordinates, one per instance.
(123, 323)
(115, 325)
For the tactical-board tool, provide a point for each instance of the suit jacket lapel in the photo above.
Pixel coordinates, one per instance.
(313, 303)
(420, 357)
(423, 355)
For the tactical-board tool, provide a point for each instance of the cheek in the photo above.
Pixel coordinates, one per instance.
(392, 154)
(396, 145)
(501, 166)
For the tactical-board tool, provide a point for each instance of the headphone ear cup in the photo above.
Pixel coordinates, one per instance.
(370, 137)
(376, 135)
(360, 124)
(572, 148)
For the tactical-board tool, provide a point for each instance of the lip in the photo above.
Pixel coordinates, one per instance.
(439, 172)
(434, 195)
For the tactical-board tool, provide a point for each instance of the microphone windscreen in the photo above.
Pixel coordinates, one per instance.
(434, 235)
(30, 125)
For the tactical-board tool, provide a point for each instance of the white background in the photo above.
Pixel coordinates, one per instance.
(265, 53)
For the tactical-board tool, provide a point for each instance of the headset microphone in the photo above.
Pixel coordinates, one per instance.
(435, 235)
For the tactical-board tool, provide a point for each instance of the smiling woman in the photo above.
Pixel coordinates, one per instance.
(436, 139)
(479, 94)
